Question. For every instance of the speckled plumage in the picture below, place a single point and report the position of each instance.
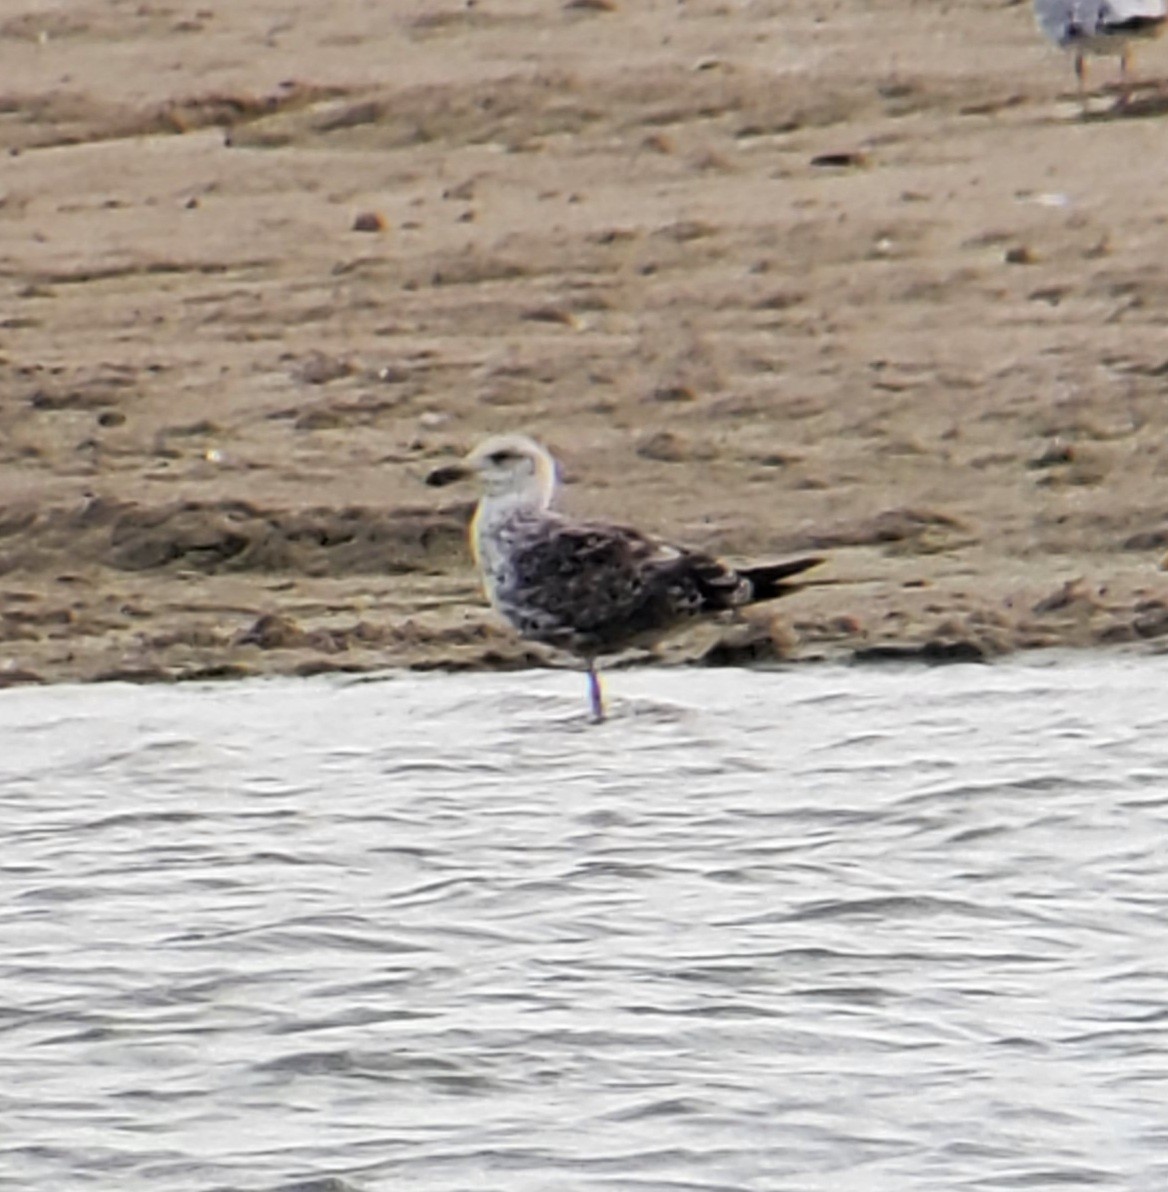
(591, 588)
(594, 588)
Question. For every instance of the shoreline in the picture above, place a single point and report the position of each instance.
(91, 625)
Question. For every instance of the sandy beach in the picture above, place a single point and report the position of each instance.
(851, 278)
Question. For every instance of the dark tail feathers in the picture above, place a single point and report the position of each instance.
(770, 580)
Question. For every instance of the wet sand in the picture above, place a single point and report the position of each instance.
(847, 278)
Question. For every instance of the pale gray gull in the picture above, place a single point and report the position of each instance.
(1101, 27)
(589, 587)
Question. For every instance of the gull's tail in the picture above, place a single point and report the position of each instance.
(722, 587)
(771, 580)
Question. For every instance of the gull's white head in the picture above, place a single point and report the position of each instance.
(510, 468)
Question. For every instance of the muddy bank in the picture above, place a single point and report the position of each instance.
(860, 281)
(191, 591)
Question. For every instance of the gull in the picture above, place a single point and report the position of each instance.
(1101, 27)
(589, 587)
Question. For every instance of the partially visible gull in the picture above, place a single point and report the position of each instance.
(1101, 27)
(590, 588)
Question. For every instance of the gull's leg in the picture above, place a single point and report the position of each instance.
(1124, 84)
(595, 695)
(1081, 75)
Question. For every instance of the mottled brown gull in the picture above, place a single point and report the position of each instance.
(588, 587)
(1100, 27)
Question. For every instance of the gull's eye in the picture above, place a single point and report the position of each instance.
(499, 458)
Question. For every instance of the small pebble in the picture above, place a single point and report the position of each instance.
(370, 221)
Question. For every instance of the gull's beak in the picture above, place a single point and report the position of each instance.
(448, 474)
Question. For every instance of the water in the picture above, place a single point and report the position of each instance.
(821, 930)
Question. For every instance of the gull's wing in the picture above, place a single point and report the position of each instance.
(594, 586)
(1120, 12)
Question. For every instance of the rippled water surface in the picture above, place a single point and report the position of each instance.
(828, 929)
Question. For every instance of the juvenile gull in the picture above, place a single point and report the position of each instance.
(1101, 27)
(590, 588)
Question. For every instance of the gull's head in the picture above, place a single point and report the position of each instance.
(506, 466)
